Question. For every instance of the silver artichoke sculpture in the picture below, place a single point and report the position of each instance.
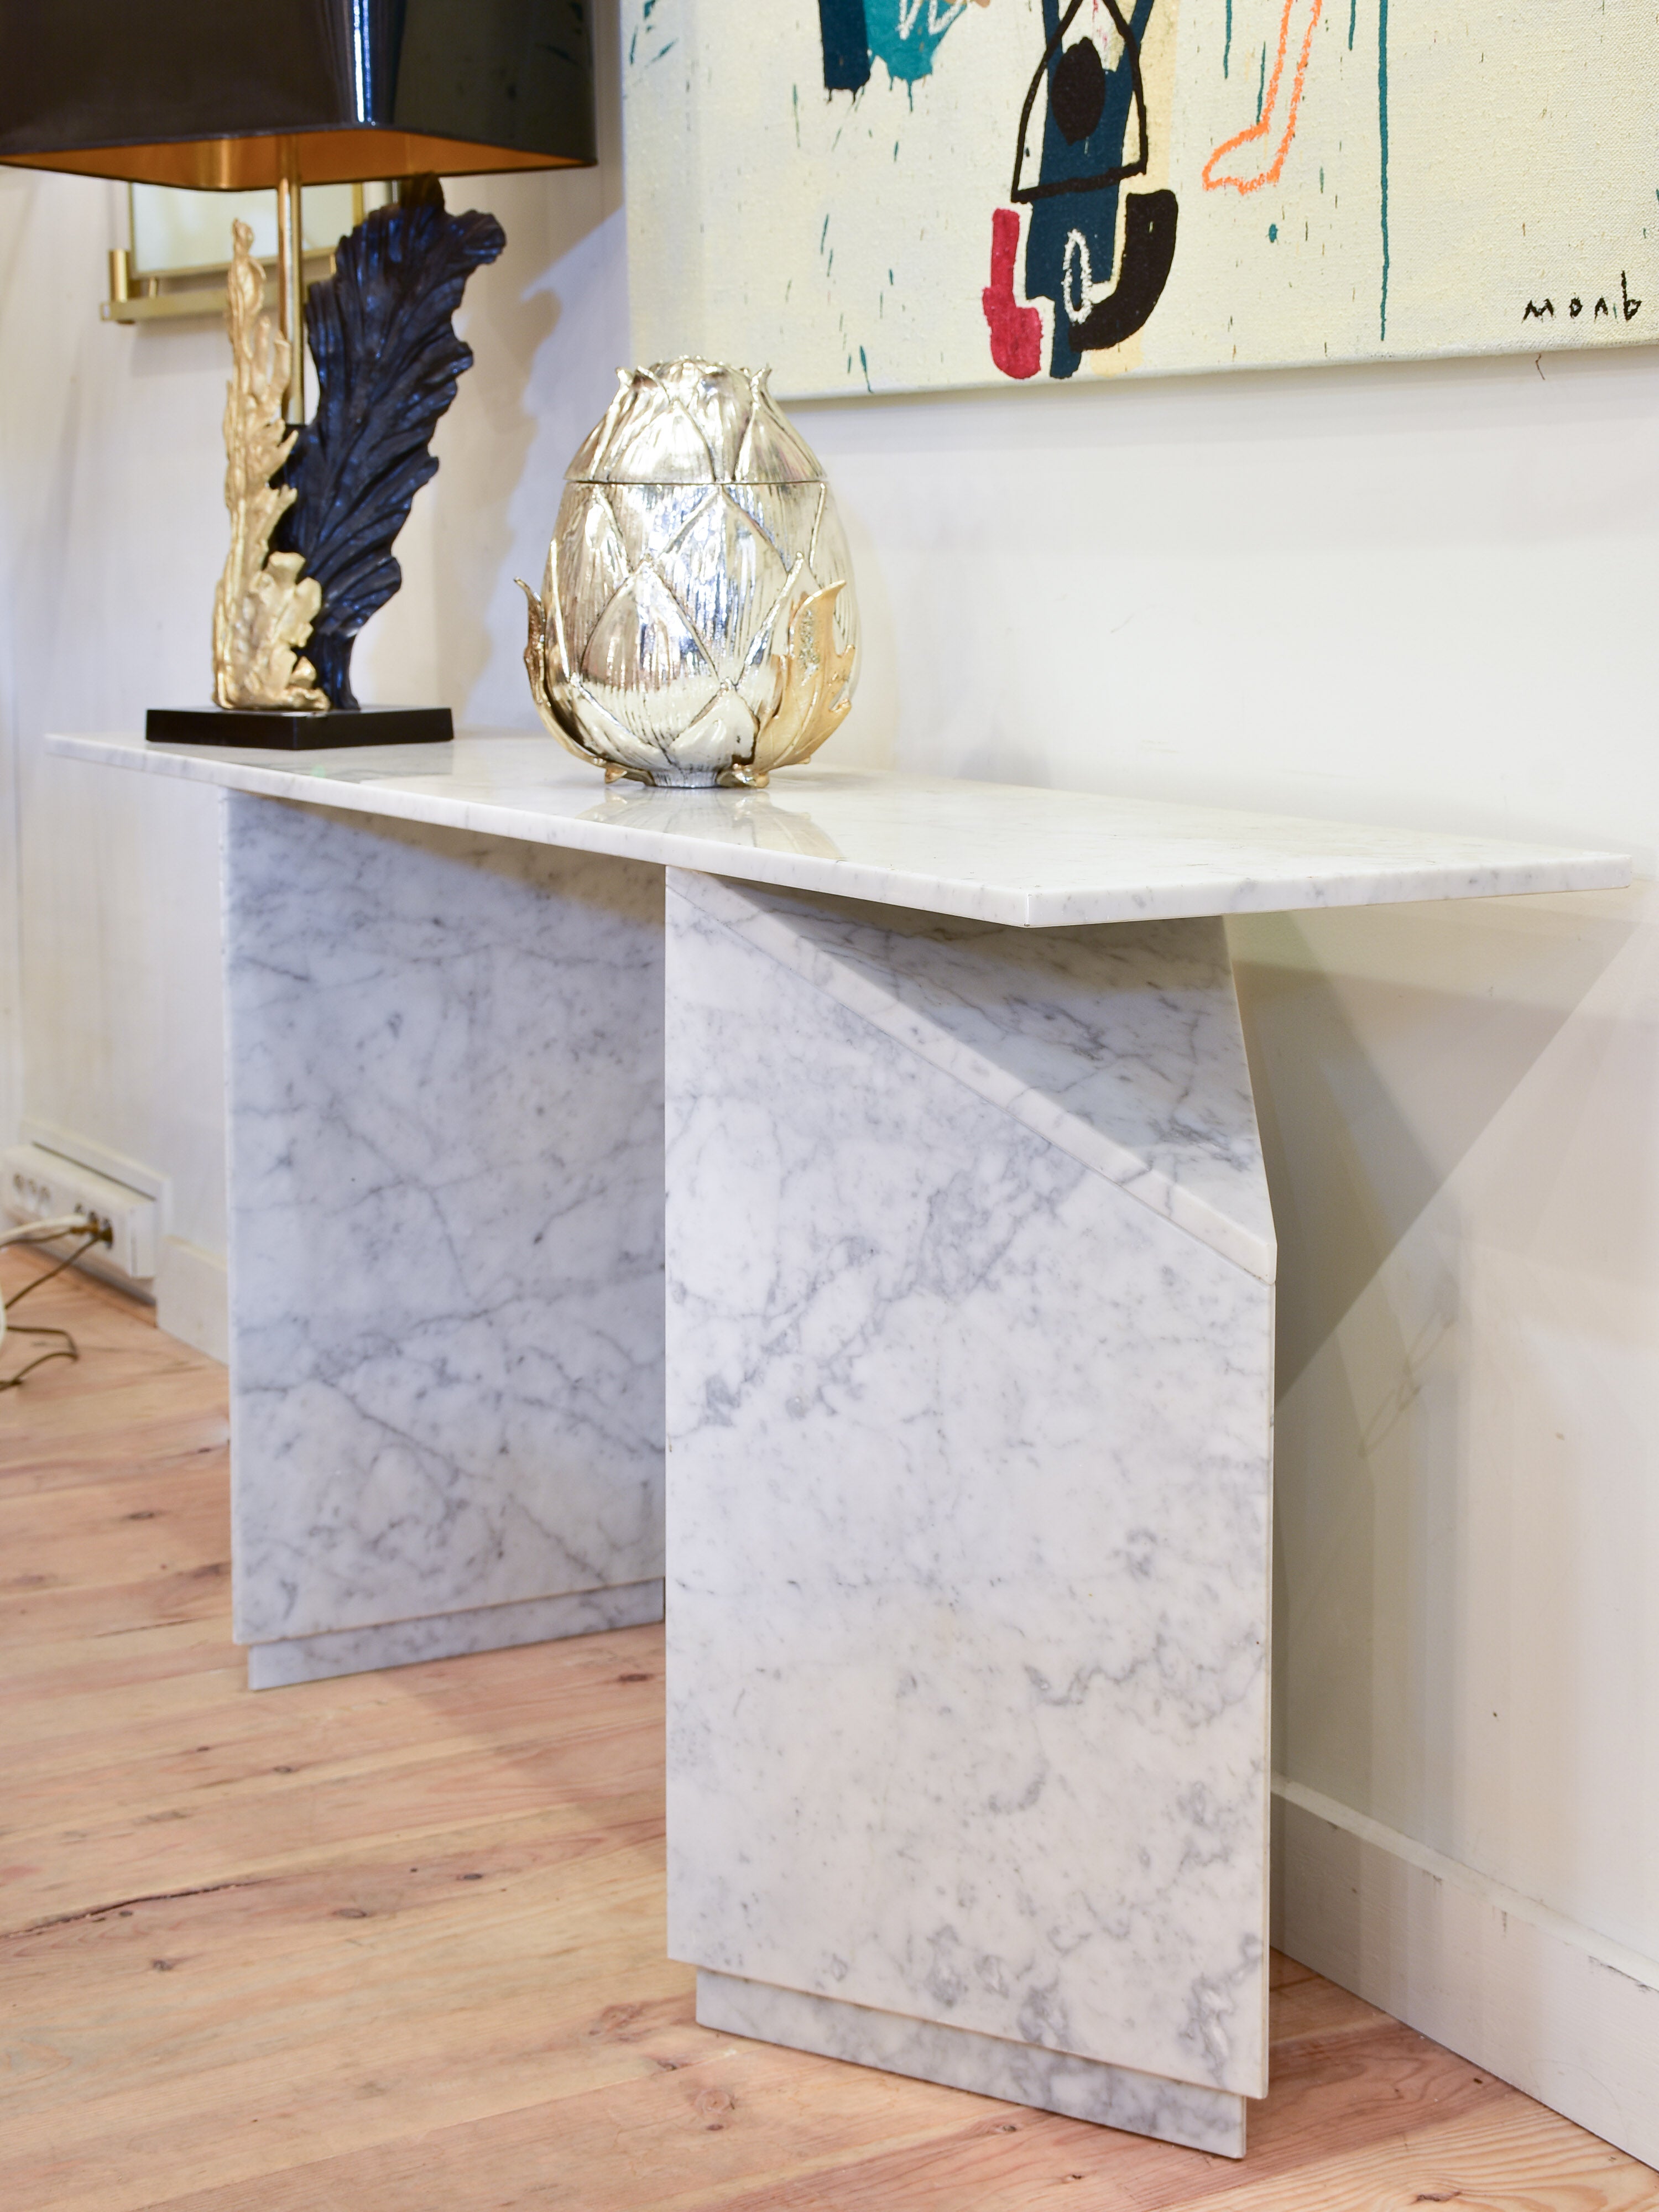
(696, 622)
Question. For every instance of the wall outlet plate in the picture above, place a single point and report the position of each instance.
(36, 1185)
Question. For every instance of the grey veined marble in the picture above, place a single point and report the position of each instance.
(1019, 2073)
(1038, 860)
(446, 1156)
(970, 1394)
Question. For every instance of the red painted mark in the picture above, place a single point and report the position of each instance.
(1016, 331)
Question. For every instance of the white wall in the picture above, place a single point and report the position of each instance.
(1421, 595)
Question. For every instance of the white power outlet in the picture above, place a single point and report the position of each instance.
(36, 1185)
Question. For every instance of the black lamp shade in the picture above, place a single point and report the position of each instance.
(203, 93)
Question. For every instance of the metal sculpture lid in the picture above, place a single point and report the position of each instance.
(694, 422)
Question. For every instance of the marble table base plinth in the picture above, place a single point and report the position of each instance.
(1081, 2088)
(970, 1316)
(445, 1194)
(275, 1666)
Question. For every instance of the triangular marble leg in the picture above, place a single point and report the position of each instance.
(970, 1318)
(446, 1201)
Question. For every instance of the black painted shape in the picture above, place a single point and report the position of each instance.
(1149, 244)
(1077, 91)
(274, 729)
(387, 362)
(845, 45)
(1051, 184)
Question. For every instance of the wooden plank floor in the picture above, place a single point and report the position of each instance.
(396, 1941)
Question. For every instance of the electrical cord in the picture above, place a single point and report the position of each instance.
(91, 1231)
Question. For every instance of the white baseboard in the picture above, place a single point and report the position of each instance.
(193, 1298)
(191, 1290)
(87, 1152)
(1534, 1998)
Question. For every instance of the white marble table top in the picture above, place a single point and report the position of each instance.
(998, 853)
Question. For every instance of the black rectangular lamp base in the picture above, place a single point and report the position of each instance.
(275, 729)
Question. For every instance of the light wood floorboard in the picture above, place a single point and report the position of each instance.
(395, 1943)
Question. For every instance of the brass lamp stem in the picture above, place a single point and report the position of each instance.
(290, 285)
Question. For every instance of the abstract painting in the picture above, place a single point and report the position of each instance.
(902, 195)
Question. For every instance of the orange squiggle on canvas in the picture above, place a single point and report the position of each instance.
(1213, 182)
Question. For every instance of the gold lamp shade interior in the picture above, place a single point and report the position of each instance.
(344, 156)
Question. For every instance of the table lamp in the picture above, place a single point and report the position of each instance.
(226, 98)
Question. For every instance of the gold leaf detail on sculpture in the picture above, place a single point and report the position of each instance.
(813, 698)
(263, 609)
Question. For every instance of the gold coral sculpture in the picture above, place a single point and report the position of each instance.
(263, 609)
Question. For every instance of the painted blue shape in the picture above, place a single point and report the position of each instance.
(846, 46)
(1273, 233)
(904, 35)
(1081, 224)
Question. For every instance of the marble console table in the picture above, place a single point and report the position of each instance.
(968, 1259)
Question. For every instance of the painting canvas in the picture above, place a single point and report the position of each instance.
(893, 195)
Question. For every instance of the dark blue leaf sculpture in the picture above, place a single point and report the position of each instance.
(387, 363)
